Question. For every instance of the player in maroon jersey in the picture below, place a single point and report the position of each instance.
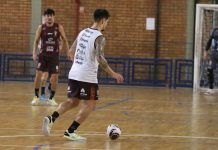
(50, 35)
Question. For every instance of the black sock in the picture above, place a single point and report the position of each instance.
(42, 90)
(49, 87)
(55, 115)
(52, 94)
(37, 92)
(73, 127)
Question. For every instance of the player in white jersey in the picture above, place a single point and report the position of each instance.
(83, 83)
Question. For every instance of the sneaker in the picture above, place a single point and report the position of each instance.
(43, 97)
(209, 92)
(73, 136)
(35, 101)
(52, 102)
(47, 125)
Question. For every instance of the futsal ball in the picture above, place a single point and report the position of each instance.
(113, 131)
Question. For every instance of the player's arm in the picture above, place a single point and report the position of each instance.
(72, 50)
(209, 42)
(60, 44)
(208, 45)
(99, 51)
(64, 38)
(36, 42)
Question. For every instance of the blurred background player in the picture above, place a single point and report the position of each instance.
(50, 35)
(83, 82)
(213, 59)
(44, 79)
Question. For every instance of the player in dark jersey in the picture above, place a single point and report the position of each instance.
(49, 34)
(213, 43)
(45, 77)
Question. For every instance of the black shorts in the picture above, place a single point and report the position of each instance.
(82, 90)
(48, 64)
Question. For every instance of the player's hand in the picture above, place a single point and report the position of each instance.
(206, 56)
(70, 55)
(118, 77)
(35, 56)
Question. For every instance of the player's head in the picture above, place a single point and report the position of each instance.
(49, 15)
(101, 16)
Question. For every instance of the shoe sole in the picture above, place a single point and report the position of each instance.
(45, 126)
(52, 104)
(34, 104)
(67, 137)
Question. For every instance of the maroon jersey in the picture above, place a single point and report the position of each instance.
(50, 39)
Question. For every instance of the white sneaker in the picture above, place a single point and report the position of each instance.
(209, 92)
(47, 125)
(52, 102)
(35, 101)
(73, 136)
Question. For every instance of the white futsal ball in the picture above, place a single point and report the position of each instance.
(113, 131)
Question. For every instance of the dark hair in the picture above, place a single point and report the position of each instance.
(100, 14)
(49, 11)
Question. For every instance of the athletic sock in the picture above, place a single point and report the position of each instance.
(52, 94)
(54, 116)
(37, 92)
(42, 90)
(73, 127)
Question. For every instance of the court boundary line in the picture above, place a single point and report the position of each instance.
(123, 135)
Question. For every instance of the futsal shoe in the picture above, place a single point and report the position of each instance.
(52, 102)
(209, 92)
(73, 136)
(43, 97)
(35, 101)
(47, 125)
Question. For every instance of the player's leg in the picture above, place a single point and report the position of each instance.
(62, 108)
(54, 82)
(73, 101)
(40, 68)
(53, 69)
(88, 91)
(49, 88)
(210, 73)
(83, 113)
(43, 85)
(37, 82)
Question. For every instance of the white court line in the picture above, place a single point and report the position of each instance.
(47, 146)
(123, 135)
(215, 113)
(14, 129)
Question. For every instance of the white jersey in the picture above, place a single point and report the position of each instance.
(85, 65)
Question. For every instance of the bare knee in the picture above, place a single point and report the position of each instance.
(90, 107)
(73, 102)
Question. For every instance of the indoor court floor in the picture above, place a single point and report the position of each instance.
(150, 119)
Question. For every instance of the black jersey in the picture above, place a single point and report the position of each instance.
(213, 40)
(50, 40)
